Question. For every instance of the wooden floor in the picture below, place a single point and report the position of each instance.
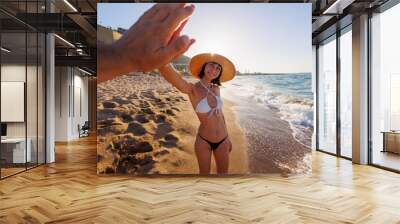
(5, 172)
(69, 191)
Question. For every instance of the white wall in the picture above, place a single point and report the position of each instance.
(79, 117)
(12, 73)
(70, 83)
(33, 126)
(314, 90)
(61, 103)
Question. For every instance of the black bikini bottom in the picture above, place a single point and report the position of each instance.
(213, 145)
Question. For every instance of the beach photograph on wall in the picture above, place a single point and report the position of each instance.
(239, 100)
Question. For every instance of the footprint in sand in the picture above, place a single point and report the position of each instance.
(136, 128)
(149, 94)
(126, 117)
(170, 112)
(109, 104)
(130, 146)
(109, 170)
(126, 164)
(146, 104)
(180, 97)
(174, 108)
(170, 141)
(171, 138)
(162, 130)
(146, 165)
(147, 111)
(121, 169)
(107, 113)
(115, 128)
(134, 165)
(105, 122)
(159, 103)
(146, 160)
(161, 153)
(133, 97)
(139, 147)
(121, 101)
(141, 118)
(158, 100)
(160, 118)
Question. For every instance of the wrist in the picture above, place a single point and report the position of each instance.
(105, 50)
(103, 62)
(117, 56)
(114, 55)
(166, 66)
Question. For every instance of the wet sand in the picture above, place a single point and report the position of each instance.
(272, 147)
(145, 126)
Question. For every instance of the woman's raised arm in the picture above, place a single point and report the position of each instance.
(173, 77)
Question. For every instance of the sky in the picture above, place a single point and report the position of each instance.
(256, 37)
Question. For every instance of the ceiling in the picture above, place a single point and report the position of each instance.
(76, 20)
(329, 16)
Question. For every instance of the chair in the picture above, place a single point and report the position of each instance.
(84, 130)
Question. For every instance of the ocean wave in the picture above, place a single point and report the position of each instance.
(297, 111)
(294, 103)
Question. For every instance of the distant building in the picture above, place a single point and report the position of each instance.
(107, 34)
(181, 67)
(121, 30)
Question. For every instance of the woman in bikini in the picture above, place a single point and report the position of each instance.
(212, 136)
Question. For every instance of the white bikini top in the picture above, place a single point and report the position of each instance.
(204, 107)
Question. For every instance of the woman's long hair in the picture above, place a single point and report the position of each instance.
(215, 81)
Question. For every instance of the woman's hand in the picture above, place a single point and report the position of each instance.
(154, 40)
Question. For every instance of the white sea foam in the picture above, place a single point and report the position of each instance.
(287, 94)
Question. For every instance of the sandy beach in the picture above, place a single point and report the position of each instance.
(145, 126)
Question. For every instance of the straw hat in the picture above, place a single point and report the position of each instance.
(197, 62)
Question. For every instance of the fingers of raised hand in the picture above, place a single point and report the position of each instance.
(185, 48)
(160, 10)
(177, 32)
(175, 19)
(165, 20)
(175, 49)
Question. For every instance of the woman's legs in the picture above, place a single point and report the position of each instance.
(221, 155)
(203, 154)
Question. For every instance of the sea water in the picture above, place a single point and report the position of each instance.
(289, 94)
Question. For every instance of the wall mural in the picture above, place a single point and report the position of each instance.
(238, 100)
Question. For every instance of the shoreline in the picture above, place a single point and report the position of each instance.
(272, 145)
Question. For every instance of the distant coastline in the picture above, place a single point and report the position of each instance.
(256, 74)
(260, 73)
(182, 64)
